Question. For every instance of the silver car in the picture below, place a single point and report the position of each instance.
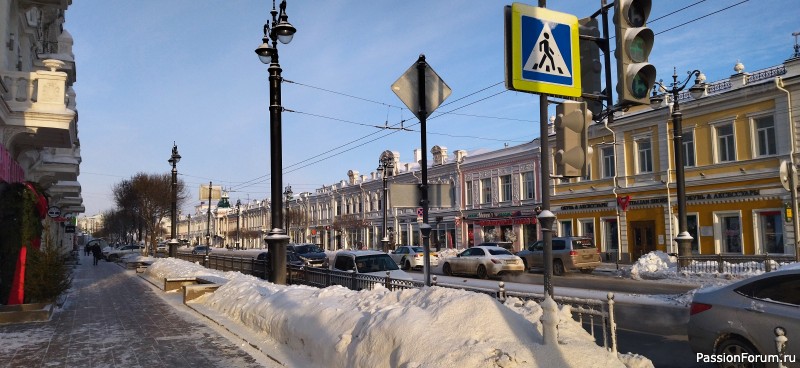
(742, 318)
(483, 261)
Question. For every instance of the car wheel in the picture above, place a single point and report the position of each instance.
(737, 346)
(482, 272)
(587, 270)
(446, 269)
(558, 268)
(405, 264)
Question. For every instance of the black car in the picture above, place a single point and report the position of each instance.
(260, 269)
(311, 254)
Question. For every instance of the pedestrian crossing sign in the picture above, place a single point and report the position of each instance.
(542, 51)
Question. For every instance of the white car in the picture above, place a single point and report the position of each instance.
(112, 255)
(368, 262)
(409, 257)
(484, 261)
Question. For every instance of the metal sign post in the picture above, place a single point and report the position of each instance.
(429, 93)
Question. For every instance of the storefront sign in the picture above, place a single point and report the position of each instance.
(700, 197)
(584, 206)
(508, 221)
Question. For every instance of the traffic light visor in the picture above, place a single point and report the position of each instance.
(637, 11)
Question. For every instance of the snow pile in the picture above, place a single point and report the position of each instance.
(654, 265)
(423, 327)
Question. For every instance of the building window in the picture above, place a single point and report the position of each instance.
(765, 136)
(529, 235)
(730, 226)
(608, 161)
(610, 236)
(565, 228)
(528, 186)
(468, 199)
(644, 155)
(505, 188)
(486, 190)
(770, 229)
(688, 149)
(691, 227)
(587, 227)
(726, 149)
(588, 175)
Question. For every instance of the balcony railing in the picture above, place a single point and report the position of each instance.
(40, 90)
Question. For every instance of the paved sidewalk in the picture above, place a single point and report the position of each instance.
(112, 318)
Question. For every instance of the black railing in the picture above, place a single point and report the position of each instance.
(732, 263)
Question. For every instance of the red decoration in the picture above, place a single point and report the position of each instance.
(623, 202)
(17, 295)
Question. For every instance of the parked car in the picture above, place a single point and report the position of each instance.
(483, 261)
(261, 269)
(112, 254)
(569, 253)
(311, 254)
(161, 248)
(409, 257)
(742, 317)
(201, 249)
(368, 262)
(506, 245)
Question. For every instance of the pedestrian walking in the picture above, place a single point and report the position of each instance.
(86, 249)
(97, 252)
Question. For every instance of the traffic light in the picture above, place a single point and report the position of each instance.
(572, 138)
(635, 76)
(591, 67)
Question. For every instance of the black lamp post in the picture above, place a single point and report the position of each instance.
(287, 193)
(277, 239)
(173, 160)
(684, 239)
(238, 214)
(385, 169)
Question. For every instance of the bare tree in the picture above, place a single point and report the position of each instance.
(148, 198)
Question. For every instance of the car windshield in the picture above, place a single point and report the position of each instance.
(498, 252)
(375, 263)
(307, 248)
(418, 249)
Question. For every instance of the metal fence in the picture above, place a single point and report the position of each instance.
(596, 316)
(731, 263)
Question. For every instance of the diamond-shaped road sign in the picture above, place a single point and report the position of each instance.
(407, 88)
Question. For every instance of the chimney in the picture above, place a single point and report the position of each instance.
(460, 155)
(417, 155)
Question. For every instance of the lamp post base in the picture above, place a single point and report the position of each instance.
(684, 248)
(277, 240)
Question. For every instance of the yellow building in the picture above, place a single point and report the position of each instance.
(735, 138)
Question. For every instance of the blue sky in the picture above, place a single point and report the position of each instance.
(153, 72)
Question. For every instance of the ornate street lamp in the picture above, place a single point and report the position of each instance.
(268, 54)
(385, 169)
(238, 212)
(173, 160)
(684, 239)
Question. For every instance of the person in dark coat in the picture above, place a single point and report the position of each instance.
(97, 252)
